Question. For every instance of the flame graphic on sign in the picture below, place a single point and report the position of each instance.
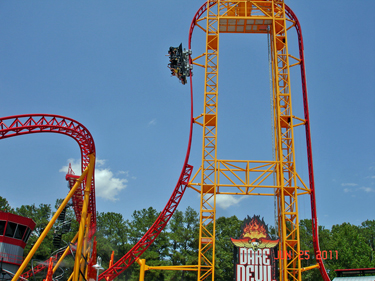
(255, 235)
(254, 228)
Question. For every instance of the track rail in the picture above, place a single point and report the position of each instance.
(149, 237)
(25, 124)
(314, 217)
(129, 258)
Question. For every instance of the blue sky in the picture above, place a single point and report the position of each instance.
(103, 64)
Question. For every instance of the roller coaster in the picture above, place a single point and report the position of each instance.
(215, 176)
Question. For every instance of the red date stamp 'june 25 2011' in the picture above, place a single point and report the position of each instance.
(305, 255)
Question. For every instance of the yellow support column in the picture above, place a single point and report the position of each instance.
(82, 225)
(206, 255)
(143, 268)
(286, 175)
(86, 249)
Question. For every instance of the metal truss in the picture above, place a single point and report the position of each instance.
(84, 186)
(47, 123)
(247, 177)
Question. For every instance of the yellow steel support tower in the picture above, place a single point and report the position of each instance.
(206, 258)
(286, 175)
(249, 177)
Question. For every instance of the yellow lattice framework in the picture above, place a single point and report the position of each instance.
(249, 177)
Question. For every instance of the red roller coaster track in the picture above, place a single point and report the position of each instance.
(314, 217)
(129, 258)
(122, 264)
(25, 124)
(18, 125)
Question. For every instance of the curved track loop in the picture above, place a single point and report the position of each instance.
(149, 237)
(314, 217)
(25, 124)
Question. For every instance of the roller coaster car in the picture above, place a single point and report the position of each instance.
(179, 63)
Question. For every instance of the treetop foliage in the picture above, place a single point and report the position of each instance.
(344, 245)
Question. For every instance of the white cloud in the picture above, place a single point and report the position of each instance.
(75, 164)
(99, 162)
(126, 173)
(106, 185)
(367, 189)
(349, 184)
(152, 122)
(363, 188)
(225, 201)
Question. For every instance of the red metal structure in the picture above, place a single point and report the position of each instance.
(18, 125)
(129, 258)
(355, 272)
(314, 217)
(42, 123)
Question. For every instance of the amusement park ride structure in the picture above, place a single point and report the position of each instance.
(277, 177)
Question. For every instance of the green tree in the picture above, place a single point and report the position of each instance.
(4, 206)
(191, 242)
(224, 262)
(176, 227)
(112, 235)
(307, 246)
(156, 254)
(368, 231)
(344, 246)
(183, 236)
(41, 216)
(178, 243)
(353, 249)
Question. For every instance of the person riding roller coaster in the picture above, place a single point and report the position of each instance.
(179, 63)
